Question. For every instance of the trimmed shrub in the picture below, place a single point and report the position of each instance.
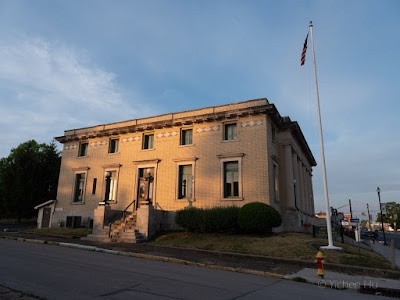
(257, 217)
(209, 220)
(189, 218)
(222, 219)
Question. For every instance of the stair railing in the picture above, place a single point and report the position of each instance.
(119, 216)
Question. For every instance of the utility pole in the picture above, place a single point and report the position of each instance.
(351, 213)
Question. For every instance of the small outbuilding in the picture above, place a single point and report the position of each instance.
(45, 213)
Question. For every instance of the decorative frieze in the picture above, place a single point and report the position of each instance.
(98, 143)
(207, 129)
(252, 123)
(130, 139)
(71, 147)
(167, 134)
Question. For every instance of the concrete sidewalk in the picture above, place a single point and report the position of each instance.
(386, 252)
(345, 281)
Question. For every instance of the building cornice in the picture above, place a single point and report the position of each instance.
(208, 114)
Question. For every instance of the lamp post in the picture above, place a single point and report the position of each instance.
(107, 175)
(369, 224)
(378, 190)
(149, 178)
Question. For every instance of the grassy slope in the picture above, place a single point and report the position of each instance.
(288, 245)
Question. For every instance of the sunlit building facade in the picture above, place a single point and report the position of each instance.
(215, 156)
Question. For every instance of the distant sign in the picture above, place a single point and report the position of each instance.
(354, 220)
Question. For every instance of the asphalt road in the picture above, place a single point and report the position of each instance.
(53, 272)
(389, 237)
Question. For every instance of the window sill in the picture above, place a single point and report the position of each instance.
(188, 145)
(152, 149)
(230, 141)
(108, 202)
(232, 199)
(78, 203)
(79, 157)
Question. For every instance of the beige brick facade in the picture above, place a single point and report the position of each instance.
(268, 150)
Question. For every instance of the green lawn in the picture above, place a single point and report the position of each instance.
(287, 245)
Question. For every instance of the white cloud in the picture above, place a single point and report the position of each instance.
(47, 87)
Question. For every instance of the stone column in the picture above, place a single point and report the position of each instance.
(307, 190)
(301, 186)
(312, 206)
(296, 176)
(305, 195)
(289, 178)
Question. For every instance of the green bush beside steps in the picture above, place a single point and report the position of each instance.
(254, 217)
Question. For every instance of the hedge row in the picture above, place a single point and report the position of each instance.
(255, 217)
(203, 220)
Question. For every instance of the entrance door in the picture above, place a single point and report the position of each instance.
(46, 217)
(145, 186)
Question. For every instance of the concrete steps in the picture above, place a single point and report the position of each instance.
(124, 231)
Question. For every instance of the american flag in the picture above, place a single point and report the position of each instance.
(303, 53)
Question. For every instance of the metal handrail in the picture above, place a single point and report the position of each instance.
(122, 214)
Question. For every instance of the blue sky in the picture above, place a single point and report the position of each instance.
(71, 64)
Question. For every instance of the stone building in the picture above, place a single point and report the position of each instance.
(215, 156)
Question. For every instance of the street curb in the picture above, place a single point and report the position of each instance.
(356, 270)
(151, 257)
(384, 291)
(389, 274)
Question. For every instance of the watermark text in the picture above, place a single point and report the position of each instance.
(342, 284)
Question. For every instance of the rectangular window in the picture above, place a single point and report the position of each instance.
(113, 146)
(186, 136)
(148, 141)
(111, 186)
(79, 187)
(230, 131)
(94, 186)
(185, 182)
(231, 179)
(83, 147)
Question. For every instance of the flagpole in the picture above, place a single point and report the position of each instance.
(328, 217)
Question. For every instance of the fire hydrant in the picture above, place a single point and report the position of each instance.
(320, 264)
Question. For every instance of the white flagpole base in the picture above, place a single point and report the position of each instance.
(331, 247)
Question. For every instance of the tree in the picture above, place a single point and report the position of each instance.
(391, 211)
(28, 177)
